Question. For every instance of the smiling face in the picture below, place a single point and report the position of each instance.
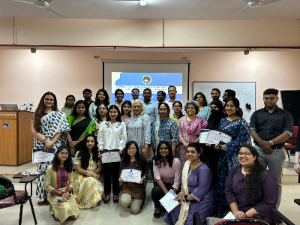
(192, 154)
(191, 110)
(160, 97)
(231, 109)
(101, 96)
(245, 157)
(119, 96)
(147, 95)
(102, 110)
(63, 155)
(215, 95)
(126, 109)
(199, 99)
(49, 101)
(163, 111)
(135, 94)
(113, 114)
(90, 143)
(131, 150)
(270, 101)
(177, 108)
(172, 92)
(80, 109)
(137, 108)
(163, 150)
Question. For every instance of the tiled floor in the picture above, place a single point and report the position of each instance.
(116, 214)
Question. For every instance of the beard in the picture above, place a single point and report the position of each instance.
(87, 98)
(215, 98)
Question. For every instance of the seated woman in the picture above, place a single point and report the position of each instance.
(88, 189)
(196, 193)
(59, 182)
(251, 190)
(133, 194)
(167, 174)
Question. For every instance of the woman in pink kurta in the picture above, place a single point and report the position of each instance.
(189, 129)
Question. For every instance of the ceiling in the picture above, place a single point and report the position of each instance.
(155, 9)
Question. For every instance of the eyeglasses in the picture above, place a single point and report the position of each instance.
(271, 98)
(62, 153)
(176, 106)
(246, 154)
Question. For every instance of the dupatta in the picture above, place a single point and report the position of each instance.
(80, 128)
(197, 124)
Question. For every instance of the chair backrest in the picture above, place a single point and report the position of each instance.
(9, 186)
(245, 221)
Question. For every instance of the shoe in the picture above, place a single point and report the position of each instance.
(46, 202)
(157, 215)
(116, 200)
(41, 203)
(106, 201)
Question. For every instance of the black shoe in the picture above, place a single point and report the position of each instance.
(156, 215)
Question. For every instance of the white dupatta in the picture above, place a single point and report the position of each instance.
(184, 210)
(156, 130)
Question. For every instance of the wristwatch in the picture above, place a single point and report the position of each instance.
(271, 143)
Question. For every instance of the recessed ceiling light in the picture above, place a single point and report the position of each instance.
(143, 2)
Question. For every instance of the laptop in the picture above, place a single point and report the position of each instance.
(9, 106)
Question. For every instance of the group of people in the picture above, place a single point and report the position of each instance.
(161, 139)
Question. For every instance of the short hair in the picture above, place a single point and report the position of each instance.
(142, 104)
(216, 89)
(87, 90)
(167, 106)
(147, 89)
(171, 86)
(231, 93)
(135, 89)
(203, 96)
(271, 91)
(195, 103)
(163, 93)
(119, 90)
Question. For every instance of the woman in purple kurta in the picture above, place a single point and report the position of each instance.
(200, 189)
(251, 191)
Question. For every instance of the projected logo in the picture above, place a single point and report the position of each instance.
(147, 79)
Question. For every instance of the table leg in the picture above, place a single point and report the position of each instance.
(32, 210)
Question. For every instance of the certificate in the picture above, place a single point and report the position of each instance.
(109, 156)
(168, 201)
(40, 155)
(217, 136)
(131, 174)
(203, 136)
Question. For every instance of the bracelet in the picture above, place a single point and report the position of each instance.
(245, 215)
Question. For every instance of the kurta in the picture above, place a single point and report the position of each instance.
(139, 130)
(127, 121)
(96, 126)
(236, 190)
(240, 133)
(87, 190)
(135, 190)
(199, 184)
(52, 124)
(175, 119)
(167, 131)
(204, 113)
(188, 133)
(67, 111)
(61, 210)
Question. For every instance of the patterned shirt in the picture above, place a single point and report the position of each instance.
(204, 113)
(151, 110)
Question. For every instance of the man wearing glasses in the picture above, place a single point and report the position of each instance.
(270, 127)
(135, 93)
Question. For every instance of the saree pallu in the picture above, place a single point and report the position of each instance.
(80, 128)
(52, 124)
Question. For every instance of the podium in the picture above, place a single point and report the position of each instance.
(16, 139)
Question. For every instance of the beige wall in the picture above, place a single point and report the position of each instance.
(25, 76)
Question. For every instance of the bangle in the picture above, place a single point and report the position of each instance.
(245, 215)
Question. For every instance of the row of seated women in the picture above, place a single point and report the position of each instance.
(251, 191)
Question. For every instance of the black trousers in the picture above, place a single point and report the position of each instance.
(111, 170)
(157, 193)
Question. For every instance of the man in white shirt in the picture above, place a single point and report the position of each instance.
(172, 94)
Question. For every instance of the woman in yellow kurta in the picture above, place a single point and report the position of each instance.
(59, 183)
(88, 189)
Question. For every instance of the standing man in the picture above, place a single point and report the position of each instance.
(161, 97)
(172, 94)
(226, 96)
(215, 94)
(150, 106)
(135, 93)
(87, 95)
(270, 127)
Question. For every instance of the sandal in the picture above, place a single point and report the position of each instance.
(117, 199)
(106, 200)
(46, 202)
(41, 203)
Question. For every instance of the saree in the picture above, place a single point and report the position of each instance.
(80, 128)
(52, 124)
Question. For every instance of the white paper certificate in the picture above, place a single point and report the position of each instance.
(216, 136)
(40, 155)
(109, 156)
(203, 136)
(168, 201)
(131, 175)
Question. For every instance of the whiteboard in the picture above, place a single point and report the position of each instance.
(245, 93)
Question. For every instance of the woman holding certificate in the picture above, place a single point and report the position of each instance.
(167, 174)
(238, 129)
(189, 129)
(47, 126)
(111, 142)
(196, 193)
(133, 172)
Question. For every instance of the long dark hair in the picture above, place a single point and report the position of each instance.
(118, 119)
(39, 112)
(126, 157)
(67, 99)
(198, 149)
(84, 152)
(254, 178)
(106, 100)
(167, 106)
(203, 96)
(68, 164)
(86, 113)
(97, 113)
(158, 158)
(123, 104)
(236, 103)
(179, 102)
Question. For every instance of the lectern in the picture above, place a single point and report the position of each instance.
(16, 139)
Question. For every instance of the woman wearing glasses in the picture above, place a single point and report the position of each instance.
(251, 190)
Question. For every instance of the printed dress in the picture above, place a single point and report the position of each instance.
(87, 190)
(52, 124)
(240, 133)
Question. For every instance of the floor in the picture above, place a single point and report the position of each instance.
(116, 214)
